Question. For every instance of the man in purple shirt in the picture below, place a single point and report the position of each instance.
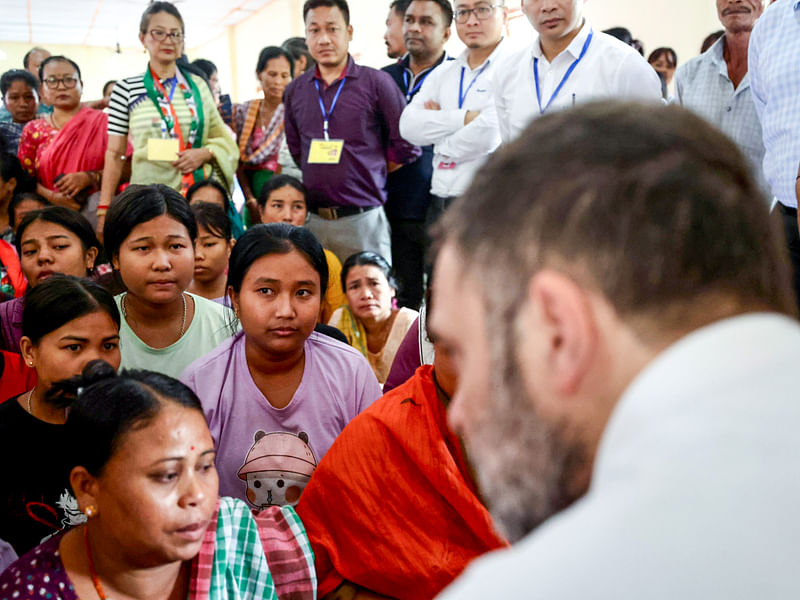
(342, 128)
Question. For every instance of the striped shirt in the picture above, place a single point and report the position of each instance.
(775, 84)
(703, 86)
(131, 111)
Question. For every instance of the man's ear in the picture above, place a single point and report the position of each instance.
(350, 32)
(562, 312)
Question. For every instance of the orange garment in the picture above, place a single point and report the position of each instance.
(391, 506)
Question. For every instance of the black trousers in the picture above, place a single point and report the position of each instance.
(409, 245)
(789, 218)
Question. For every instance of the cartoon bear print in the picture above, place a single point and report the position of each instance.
(277, 468)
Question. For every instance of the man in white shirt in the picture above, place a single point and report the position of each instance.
(569, 63)
(716, 84)
(623, 327)
(454, 109)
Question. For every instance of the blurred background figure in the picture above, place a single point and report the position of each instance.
(297, 47)
(393, 36)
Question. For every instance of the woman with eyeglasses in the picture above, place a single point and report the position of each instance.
(65, 149)
(178, 135)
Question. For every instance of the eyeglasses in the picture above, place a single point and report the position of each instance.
(69, 82)
(160, 35)
(482, 13)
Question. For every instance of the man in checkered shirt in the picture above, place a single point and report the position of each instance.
(716, 84)
(774, 66)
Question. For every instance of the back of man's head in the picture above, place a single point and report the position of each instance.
(650, 206)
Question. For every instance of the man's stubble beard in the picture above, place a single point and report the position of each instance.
(526, 470)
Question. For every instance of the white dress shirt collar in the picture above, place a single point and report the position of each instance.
(575, 46)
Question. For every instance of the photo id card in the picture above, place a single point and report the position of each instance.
(325, 152)
(158, 149)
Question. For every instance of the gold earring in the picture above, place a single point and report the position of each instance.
(90, 511)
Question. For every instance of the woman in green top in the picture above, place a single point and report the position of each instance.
(178, 135)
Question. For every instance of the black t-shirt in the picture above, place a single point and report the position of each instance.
(36, 500)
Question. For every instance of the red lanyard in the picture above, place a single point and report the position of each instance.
(176, 125)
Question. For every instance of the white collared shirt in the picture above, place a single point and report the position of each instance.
(775, 85)
(610, 69)
(459, 150)
(694, 491)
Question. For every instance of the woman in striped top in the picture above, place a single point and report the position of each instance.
(177, 134)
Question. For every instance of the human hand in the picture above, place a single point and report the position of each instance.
(191, 159)
(72, 183)
(62, 199)
(471, 116)
(432, 105)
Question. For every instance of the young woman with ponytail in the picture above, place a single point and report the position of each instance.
(66, 323)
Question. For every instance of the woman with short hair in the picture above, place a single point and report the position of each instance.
(65, 149)
(177, 133)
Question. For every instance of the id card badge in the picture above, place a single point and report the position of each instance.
(159, 149)
(446, 166)
(325, 152)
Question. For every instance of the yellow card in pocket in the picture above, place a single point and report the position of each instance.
(325, 152)
(158, 149)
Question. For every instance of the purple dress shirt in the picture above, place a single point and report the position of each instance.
(366, 117)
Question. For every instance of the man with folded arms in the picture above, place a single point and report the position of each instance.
(454, 109)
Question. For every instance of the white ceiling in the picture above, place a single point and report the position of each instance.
(111, 22)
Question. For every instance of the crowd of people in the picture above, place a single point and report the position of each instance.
(537, 304)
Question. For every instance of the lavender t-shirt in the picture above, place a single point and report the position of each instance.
(266, 455)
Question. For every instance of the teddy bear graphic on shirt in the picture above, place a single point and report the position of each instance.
(277, 468)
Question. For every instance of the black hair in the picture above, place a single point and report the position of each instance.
(105, 406)
(139, 204)
(58, 58)
(444, 5)
(623, 34)
(158, 7)
(203, 183)
(669, 53)
(270, 52)
(361, 259)
(28, 54)
(275, 238)
(60, 299)
(710, 40)
(10, 168)
(67, 218)
(19, 198)
(401, 6)
(276, 183)
(297, 47)
(206, 66)
(213, 218)
(108, 83)
(340, 4)
(13, 75)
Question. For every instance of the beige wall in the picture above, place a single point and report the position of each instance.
(681, 24)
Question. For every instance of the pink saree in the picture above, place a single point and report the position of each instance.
(79, 146)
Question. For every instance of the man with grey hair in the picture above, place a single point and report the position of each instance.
(621, 318)
(716, 84)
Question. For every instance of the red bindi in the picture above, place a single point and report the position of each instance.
(192, 447)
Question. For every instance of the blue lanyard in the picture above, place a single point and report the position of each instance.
(462, 95)
(564, 80)
(410, 93)
(174, 85)
(326, 114)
